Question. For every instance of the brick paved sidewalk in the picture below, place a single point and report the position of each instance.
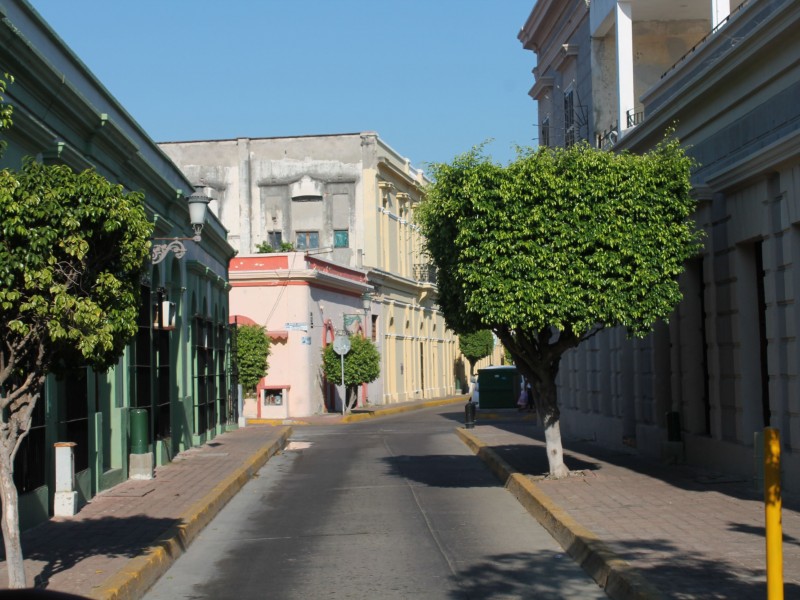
(690, 533)
(128, 535)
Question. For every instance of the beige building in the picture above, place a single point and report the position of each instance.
(727, 76)
(348, 199)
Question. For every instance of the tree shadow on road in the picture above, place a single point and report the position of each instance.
(442, 470)
(58, 546)
(543, 574)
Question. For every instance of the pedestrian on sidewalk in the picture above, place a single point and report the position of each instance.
(529, 394)
(522, 401)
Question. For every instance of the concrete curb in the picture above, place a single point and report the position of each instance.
(396, 410)
(140, 573)
(361, 416)
(619, 579)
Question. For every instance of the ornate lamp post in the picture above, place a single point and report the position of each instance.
(198, 207)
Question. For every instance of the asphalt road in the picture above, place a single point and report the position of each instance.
(393, 508)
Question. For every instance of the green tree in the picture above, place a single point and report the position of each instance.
(73, 248)
(252, 351)
(6, 110)
(475, 346)
(554, 247)
(362, 364)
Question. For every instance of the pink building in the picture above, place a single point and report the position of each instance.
(304, 302)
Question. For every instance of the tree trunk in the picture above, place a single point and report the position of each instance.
(547, 408)
(10, 523)
(351, 397)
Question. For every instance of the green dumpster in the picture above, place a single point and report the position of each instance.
(499, 387)
(139, 429)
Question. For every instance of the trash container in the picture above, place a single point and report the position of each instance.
(139, 437)
(499, 386)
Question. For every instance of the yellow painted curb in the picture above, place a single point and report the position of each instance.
(619, 579)
(140, 573)
(276, 422)
(396, 410)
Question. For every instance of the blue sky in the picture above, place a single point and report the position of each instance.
(432, 77)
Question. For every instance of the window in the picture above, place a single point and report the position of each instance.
(306, 240)
(569, 119)
(544, 133)
(274, 239)
(205, 382)
(341, 238)
(140, 377)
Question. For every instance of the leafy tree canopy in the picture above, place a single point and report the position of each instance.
(476, 345)
(564, 238)
(252, 351)
(362, 364)
(73, 248)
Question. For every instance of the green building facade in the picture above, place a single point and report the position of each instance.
(177, 369)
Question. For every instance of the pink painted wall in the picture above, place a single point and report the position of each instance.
(294, 309)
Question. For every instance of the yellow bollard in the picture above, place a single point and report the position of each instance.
(772, 505)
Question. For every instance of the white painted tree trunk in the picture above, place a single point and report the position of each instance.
(10, 526)
(555, 451)
(546, 401)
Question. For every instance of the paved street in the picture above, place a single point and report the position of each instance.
(393, 508)
(408, 485)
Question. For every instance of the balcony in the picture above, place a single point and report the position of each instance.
(425, 272)
(634, 117)
(607, 139)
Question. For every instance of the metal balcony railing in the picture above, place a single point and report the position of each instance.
(425, 272)
(607, 139)
(634, 117)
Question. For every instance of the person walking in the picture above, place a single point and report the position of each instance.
(522, 401)
(529, 397)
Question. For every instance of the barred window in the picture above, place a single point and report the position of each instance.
(569, 119)
(544, 133)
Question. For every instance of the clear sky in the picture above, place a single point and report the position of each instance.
(432, 77)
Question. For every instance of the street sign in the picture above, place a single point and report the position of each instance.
(341, 345)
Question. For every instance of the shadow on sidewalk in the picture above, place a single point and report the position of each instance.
(692, 574)
(676, 573)
(532, 460)
(61, 545)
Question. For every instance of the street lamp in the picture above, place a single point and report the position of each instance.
(198, 207)
(366, 301)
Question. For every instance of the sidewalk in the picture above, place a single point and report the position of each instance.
(126, 537)
(642, 529)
